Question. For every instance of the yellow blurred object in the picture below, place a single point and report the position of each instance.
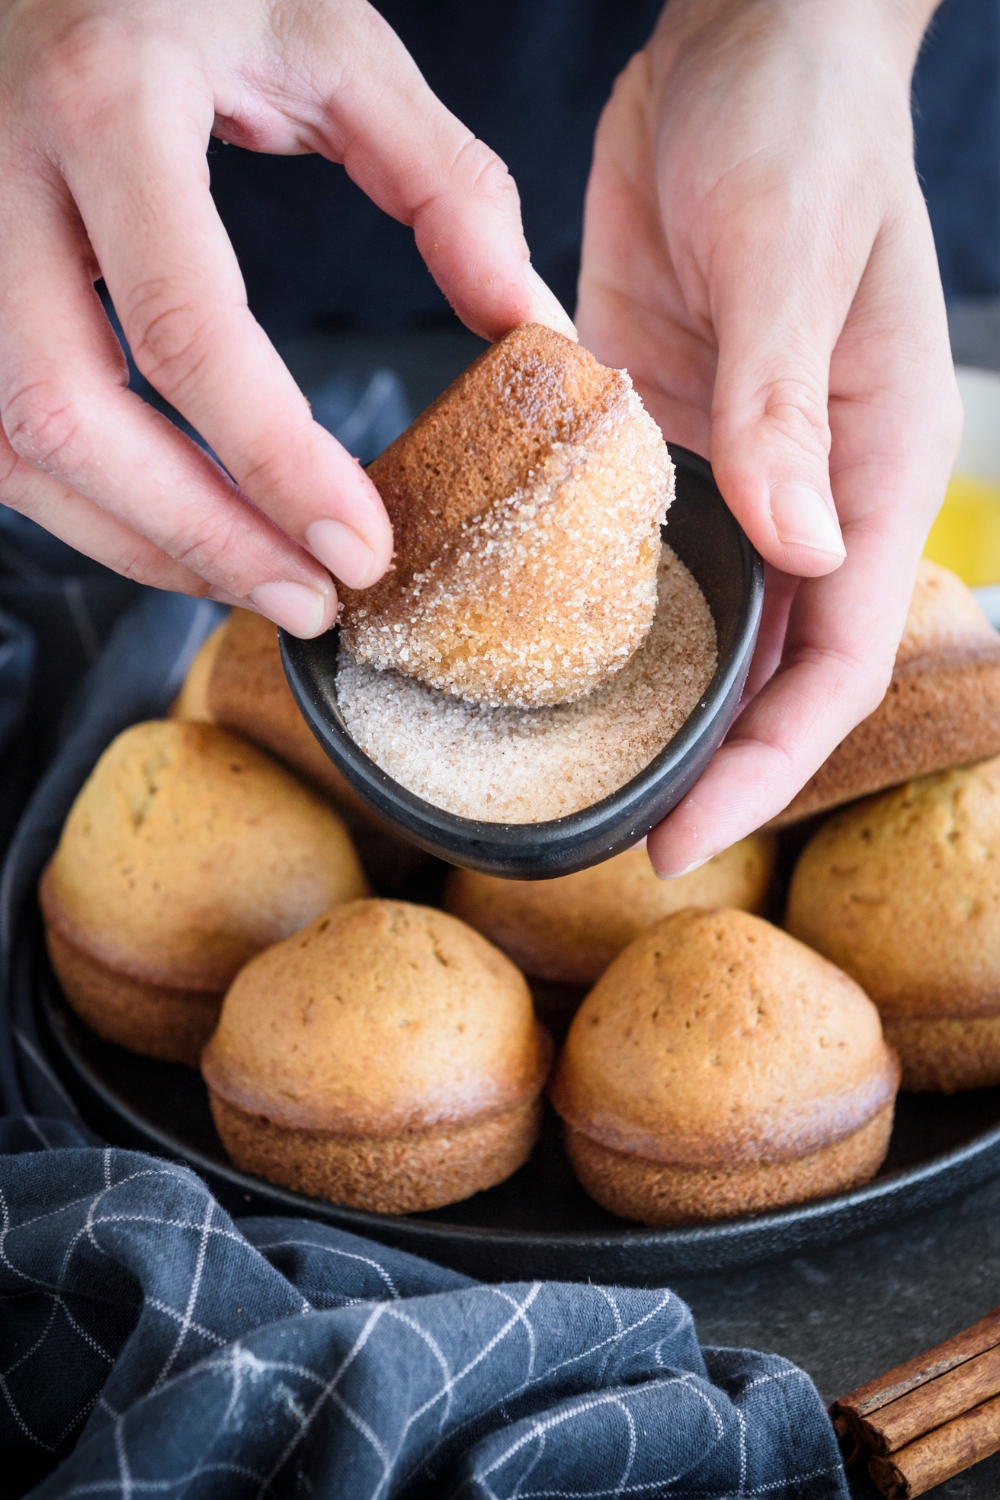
(966, 535)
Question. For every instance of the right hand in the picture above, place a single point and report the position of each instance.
(757, 254)
(106, 109)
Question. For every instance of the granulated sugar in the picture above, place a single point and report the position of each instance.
(507, 765)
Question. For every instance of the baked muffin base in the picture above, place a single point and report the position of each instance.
(391, 1174)
(658, 1194)
(152, 1019)
(947, 1056)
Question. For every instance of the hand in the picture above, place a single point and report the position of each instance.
(757, 253)
(106, 108)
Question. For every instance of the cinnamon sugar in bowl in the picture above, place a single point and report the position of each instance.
(715, 553)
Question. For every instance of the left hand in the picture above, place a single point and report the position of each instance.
(757, 253)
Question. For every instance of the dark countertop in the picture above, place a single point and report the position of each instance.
(849, 1313)
(845, 1314)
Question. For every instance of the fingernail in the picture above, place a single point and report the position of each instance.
(677, 874)
(802, 517)
(294, 606)
(339, 548)
(548, 309)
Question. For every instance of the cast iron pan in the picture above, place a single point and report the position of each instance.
(706, 536)
(539, 1223)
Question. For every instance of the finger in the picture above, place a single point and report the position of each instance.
(631, 311)
(776, 330)
(424, 167)
(779, 594)
(895, 425)
(90, 530)
(173, 278)
(67, 413)
(84, 526)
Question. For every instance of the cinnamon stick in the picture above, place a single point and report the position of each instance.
(930, 1405)
(918, 1371)
(939, 1455)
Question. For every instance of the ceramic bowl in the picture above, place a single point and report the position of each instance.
(708, 539)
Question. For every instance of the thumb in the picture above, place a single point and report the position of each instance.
(770, 435)
(424, 167)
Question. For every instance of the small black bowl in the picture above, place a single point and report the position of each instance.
(706, 536)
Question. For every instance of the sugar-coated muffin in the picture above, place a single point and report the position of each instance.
(903, 891)
(386, 1057)
(568, 930)
(719, 1067)
(186, 852)
(942, 707)
(526, 505)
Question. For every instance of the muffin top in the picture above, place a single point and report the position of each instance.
(716, 1039)
(570, 928)
(378, 1018)
(187, 851)
(903, 891)
(526, 505)
(943, 616)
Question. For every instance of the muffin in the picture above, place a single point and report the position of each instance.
(247, 690)
(186, 852)
(903, 891)
(192, 700)
(237, 680)
(942, 707)
(568, 930)
(386, 1057)
(526, 505)
(718, 1067)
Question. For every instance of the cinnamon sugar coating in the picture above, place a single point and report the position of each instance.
(526, 505)
(509, 765)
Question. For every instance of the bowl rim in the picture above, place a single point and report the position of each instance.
(623, 817)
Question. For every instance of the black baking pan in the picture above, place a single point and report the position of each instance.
(709, 540)
(539, 1223)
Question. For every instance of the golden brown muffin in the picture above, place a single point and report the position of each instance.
(248, 691)
(718, 1067)
(942, 708)
(526, 505)
(903, 891)
(386, 1057)
(569, 929)
(186, 852)
(192, 700)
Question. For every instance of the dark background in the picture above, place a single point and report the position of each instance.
(530, 78)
